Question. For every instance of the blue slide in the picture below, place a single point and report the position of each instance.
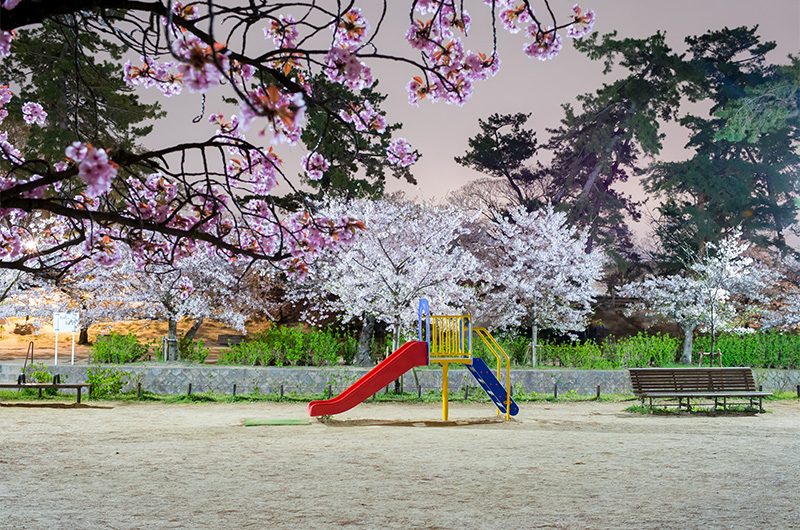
(491, 385)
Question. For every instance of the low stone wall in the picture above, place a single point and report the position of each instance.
(174, 378)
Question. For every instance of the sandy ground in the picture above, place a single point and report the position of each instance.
(565, 465)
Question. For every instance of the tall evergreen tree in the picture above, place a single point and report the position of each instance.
(733, 179)
(62, 68)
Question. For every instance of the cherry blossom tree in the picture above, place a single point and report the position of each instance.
(160, 205)
(717, 289)
(542, 275)
(407, 251)
(786, 311)
(205, 286)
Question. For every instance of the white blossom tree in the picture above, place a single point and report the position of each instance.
(406, 251)
(205, 286)
(542, 275)
(717, 289)
(786, 314)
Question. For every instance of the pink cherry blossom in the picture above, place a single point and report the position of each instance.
(345, 68)
(364, 118)
(9, 4)
(94, 169)
(515, 15)
(285, 113)
(33, 113)
(5, 95)
(399, 153)
(199, 63)
(546, 44)
(77, 151)
(419, 36)
(8, 151)
(102, 249)
(185, 288)
(283, 32)
(5, 43)
(315, 165)
(582, 23)
(351, 30)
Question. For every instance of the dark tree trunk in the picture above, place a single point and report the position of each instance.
(83, 336)
(172, 340)
(189, 336)
(688, 334)
(363, 354)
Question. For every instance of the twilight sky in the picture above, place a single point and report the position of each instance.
(440, 131)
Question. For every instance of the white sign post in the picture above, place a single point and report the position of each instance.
(67, 322)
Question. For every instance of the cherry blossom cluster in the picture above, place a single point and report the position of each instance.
(5, 43)
(453, 70)
(364, 118)
(405, 251)
(94, 167)
(315, 165)
(7, 150)
(152, 73)
(252, 169)
(400, 153)
(284, 112)
(9, 4)
(542, 275)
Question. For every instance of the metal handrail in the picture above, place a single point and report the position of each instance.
(494, 347)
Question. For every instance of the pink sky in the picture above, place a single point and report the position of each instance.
(441, 131)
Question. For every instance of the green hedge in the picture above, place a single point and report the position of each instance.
(768, 349)
(118, 348)
(635, 351)
(284, 345)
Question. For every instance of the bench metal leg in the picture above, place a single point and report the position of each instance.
(79, 394)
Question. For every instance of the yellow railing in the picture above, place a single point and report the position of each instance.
(450, 339)
(497, 351)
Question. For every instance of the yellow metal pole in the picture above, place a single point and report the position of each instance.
(445, 390)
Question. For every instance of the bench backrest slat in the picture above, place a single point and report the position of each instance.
(737, 379)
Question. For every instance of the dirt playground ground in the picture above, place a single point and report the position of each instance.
(562, 465)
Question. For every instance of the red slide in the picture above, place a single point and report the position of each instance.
(408, 356)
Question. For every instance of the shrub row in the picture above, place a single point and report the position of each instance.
(769, 349)
(283, 345)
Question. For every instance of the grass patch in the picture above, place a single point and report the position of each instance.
(697, 410)
(475, 395)
(253, 422)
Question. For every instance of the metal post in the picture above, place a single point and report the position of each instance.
(281, 391)
(555, 391)
(329, 391)
(189, 393)
(139, 390)
(234, 390)
(598, 391)
(445, 390)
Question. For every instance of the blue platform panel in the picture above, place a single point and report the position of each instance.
(491, 385)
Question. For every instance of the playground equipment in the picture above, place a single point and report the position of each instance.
(444, 340)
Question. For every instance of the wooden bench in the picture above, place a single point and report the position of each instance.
(230, 340)
(22, 384)
(695, 383)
